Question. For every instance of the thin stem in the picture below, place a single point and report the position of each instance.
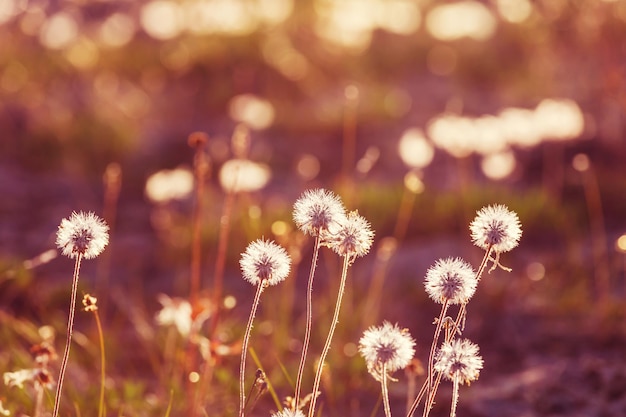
(70, 329)
(38, 399)
(385, 391)
(459, 322)
(329, 338)
(244, 349)
(455, 394)
(102, 364)
(220, 261)
(433, 346)
(430, 399)
(309, 321)
(413, 407)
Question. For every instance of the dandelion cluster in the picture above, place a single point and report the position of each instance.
(317, 211)
(451, 280)
(459, 359)
(387, 345)
(497, 227)
(83, 233)
(264, 262)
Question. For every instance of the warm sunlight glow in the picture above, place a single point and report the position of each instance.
(535, 271)
(414, 149)
(461, 19)
(59, 31)
(498, 166)
(8, 9)
(514, 11)
(581, 162)
(117, 30)
(518, 127)
(166, 185)
(162, 19)
(308, 167)
(559, 119)
(243, 175)
(252, 110)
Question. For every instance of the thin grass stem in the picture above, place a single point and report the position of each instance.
(329, 338)
(102, 364)
(244, 348)
(433, 346)
(309, 321)
(385, 391)
(70, 330)
(417, 400)
(455, 395)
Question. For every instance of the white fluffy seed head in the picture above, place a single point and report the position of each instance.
(452, 280)
(82, 233)
(318, 210)
(496, 226)
(352, 237)
(387, 345)
(264, 262)
(459, 359)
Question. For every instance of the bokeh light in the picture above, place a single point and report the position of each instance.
(167, 185)
(498, 166)
(463, 19)
(414, 149)
(243, 175)
(255, 112)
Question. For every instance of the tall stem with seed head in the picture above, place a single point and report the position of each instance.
(70, 330)
(309, 320)
(331, 332)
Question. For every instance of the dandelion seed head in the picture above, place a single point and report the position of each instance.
(82, 233)
(452, 280)
(90, 302)
(318, 210)
(288, 413)
(496, 226)
(459, 358)
(387, 345)
(264, 262)
(353, 237)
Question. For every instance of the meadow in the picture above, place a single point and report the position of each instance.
(164, 170)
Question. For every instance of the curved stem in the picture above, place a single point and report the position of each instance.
(244, 349)
(455, 394)
(413, 407)
(329, 338)
(309, 320)
(385, 391)
(430, 399)
(433, 346)
(70, 329)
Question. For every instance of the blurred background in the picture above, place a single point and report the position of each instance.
(416, 112)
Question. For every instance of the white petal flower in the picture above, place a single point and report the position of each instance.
(496, 226)
(386, 345)
(318, 210)
(83, 233)
(264, 261)
(451, 280)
